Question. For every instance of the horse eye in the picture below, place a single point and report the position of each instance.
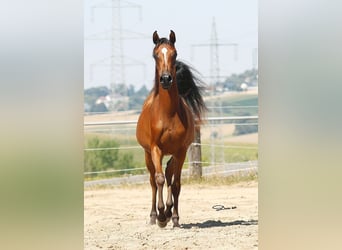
(174, 55)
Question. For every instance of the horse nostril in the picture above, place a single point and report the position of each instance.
(166, 78)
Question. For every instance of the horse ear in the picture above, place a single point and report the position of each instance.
(155, 37)
(172, 37)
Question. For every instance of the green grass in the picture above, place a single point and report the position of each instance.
(238, 100)
(234, 154)
(231, 152)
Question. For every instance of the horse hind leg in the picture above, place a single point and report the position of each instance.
(169, 202)
(153, 214)
(176, 186)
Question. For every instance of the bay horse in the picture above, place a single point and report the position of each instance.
(166, 125)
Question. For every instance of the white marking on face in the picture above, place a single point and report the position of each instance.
(164, 51)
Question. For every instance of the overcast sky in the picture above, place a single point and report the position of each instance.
(191, 20)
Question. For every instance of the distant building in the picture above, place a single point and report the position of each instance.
(106, 100)
(244, 86)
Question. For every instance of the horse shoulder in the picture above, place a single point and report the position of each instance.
(143, 131)
(148, 101)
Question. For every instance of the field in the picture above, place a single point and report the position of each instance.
(220, 145)
(117, 218)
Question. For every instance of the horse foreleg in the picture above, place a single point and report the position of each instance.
(160, 180)
(150, 167)
(169, 203)
(161, 218)
(153, 214)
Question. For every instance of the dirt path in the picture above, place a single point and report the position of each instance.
(112, 221)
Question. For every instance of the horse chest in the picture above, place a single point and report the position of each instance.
(171, 135)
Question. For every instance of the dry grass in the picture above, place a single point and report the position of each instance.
(226, 180)
(238, 178)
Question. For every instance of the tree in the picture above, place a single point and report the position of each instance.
(250, 77)
(245, 129)
(137, 100)
(143, 91)
(92, 94)
(98, 108)
(130, 90)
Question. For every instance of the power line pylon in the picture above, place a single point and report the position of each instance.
(214, 78)
(214, 45)
(116, 35)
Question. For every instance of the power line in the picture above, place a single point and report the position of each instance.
(117, 61)
(215, 70)
(214, 54)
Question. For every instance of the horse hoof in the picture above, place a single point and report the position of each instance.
(162, 224)
(175, 225)
(175, 220)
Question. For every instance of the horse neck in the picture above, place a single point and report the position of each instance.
(168, 99)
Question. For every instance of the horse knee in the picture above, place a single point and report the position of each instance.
(160, 179)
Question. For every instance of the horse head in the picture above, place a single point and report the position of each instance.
(165, 54)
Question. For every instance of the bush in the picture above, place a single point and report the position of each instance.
(99, 160)
(98, 108)
(126, 162)
(245, 129)
(107, 159)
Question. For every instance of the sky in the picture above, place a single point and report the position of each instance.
(191, 20)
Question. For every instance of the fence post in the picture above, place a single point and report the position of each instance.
(195, 155)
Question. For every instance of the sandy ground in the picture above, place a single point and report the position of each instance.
(117, 218)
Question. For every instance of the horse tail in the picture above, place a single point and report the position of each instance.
(190, 88)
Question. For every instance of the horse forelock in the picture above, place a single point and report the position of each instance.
(164, 41)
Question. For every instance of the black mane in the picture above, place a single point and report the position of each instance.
(190, 88)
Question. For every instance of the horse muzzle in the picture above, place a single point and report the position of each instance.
(166, 81)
